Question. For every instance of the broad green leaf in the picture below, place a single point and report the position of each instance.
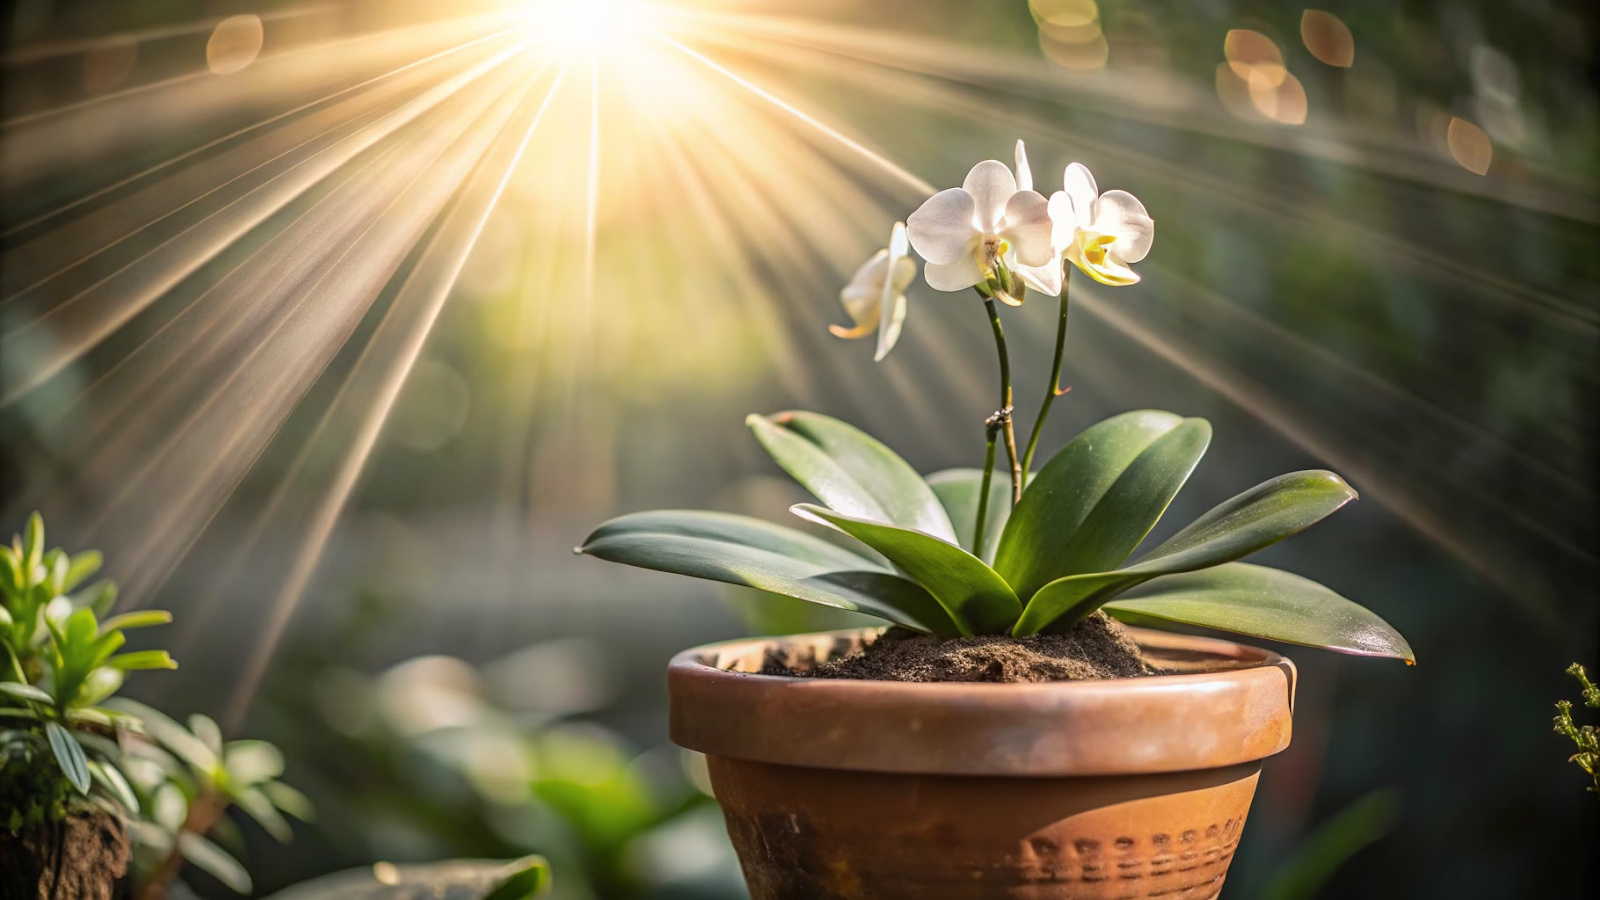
(142, 619)
(1264, 603)
(1257, 518)
(978, 600)
(851, 471)
(1066, 491)
(215, 861)
(69, 756)
(957, 489)
(101, 683)
(109, 777)
(25, 692)
(745, 551)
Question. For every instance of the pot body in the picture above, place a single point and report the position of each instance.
(861, 790)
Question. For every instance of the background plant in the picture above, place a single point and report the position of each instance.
(1586, 737)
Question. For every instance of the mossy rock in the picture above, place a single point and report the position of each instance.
(462, 879)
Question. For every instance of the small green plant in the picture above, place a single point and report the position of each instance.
(57, 741)
(1586, 737)
(66, 741)
(1049, 551)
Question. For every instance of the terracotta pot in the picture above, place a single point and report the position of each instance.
(873, 790)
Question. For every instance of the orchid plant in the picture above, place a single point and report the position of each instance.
(955, 554)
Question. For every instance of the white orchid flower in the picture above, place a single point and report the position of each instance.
(1102, 234)
(1045, 278)
(875, 298)
(974, 234)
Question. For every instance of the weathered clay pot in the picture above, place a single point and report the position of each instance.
(872, 790)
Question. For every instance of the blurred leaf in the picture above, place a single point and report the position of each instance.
(169, 734)
(1257, 518)
(529, 881)
(290, 801)
(69, 755)
(257, 806)
(144, 659)
(110, 777)
(81, 567)
(98, 597)
(1264, 603)
(142, 619)
(1362, 823)
(32, 545)
(25, 692)
(169, 807)
(957, 489)
(451, 880)
(1051, 534)
(252, 762)
(977, 599)
(214, 860)
(745, 551)
(205, 728)
(851, 472)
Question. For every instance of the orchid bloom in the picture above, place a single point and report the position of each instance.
(1047, 277)
(875, 298)
(973, 235)
(1102, 234)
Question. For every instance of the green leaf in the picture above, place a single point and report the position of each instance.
(110, 778)
(957, 489)
(143, 659)
(1264, 603)
(527, 878)
(215, 861)
(25, 692)
(290, 800)
(1097, 499)
(252, 762)
(851, 472)
(32, 547)
(206, 729)
(80, 567)
(257, 806)
(1257, 518)
(169, 734)
(745, 551)
(69, 756)
(977, 599)
(98, 598)
(142, 619)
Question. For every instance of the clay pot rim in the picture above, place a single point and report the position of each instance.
(1235, 707)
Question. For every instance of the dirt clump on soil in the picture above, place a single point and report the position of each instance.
(83, 857)
(1097, 647)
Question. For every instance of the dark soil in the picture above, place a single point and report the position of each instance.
(82, 857)
(1097, 647)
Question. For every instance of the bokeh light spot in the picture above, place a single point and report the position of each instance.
(1469, 145)
(234, 44)
(1328, 38)
(1283, 102)
(433, 408)
(1253, 55)
(1065, 13)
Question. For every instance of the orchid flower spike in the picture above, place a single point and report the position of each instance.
(973, 235)
(875, 298)
(1102, 234)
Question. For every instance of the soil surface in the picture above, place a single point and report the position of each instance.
(82, 857)
(1097, 647)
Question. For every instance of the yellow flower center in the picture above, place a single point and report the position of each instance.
(1093, 247)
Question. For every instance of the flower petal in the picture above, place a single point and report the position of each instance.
(1121, 215)
(850, 334)
(1028, 228)
(1045, 279)
(955, 276)
(941, 229)
(991, 184)
(1024, 173)
(1063, 221)
(1079, 185)
(898, 244)
(892, 317)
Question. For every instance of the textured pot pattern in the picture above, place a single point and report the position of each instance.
(849, 790)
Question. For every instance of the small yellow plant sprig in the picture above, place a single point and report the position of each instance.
(1587, 737)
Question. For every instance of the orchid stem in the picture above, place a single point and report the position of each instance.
(983, 497)
(1002, 416)
(1054, 389)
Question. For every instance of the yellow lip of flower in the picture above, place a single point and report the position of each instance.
(1092, 253)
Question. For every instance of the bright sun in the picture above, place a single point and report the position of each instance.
(589, 28)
